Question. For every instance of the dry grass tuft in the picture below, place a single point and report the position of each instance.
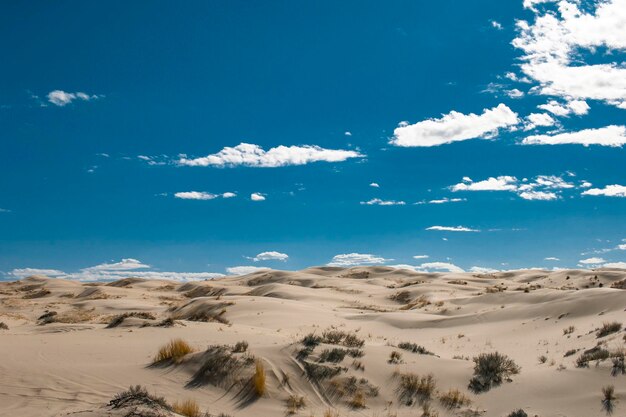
(608, 328)
(490, 370)
(608, 398)
(259, 380)
(138, 395)
(454, 399)
(3, 326)
(119, 319)
(412, 387)
(395, 357)
(240, 347)
(174, 351)
(187, 408)
(294, 403)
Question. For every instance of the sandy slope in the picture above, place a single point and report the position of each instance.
(74, 365)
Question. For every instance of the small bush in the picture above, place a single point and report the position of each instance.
(356, 353)
(490, 369)
(570, 353)
(413, 387)
(415, 348)
(331, 413)
(518, 413)
(618, 366)
(338, 337)
(318, 372)
(594, 354)
(187, 408)
(174, 351)
(542, 359)
(454, 399)
(568, 330)
(138, 395)
(119, 319)
(608, 400)
(427, 411)
(219, 368)
(333, 355)
(608, 328)
(357, 401)
(240, 347)
(294, 403)
(259, 380)
(311, 340)
(395, 357)
(3, 326)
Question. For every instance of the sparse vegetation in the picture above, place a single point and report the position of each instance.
(258, 380)
(596, 353)
(240, 347)
(119, 319)
(220, 367)
(608, 398)
(618, 366)
(518, 413)
(568, 330)
(570, 352)
(173, 351)
(414, 348)
(608, 328)
(311, 340)
(187, 408)
(454, 398)
(138, 395)
(427, 411)
(490, 370)
(395, 357)
(333, 355)
(412, 387)
(317, 372)
(358, 400)
(295, 403)
(542, 359)
(3, 326)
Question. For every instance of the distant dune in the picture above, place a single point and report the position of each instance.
(366, 341)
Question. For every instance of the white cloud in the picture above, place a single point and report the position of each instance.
(270, 256)
(229, 195)
(257, 197)
(496, 25)
(621, 247)
(454, 126)
(127, 264)
(353, 259)
(379, 202)
(578, 107)
(614, 190)
(250, 155)
(245, 270)
(501, 183)
(551, 258)
(420, 256)
(591, 261)
(538, 195)
(483, 270)
(620, 265)
(375, 185)
(195, 195)
(62, 98)
(26, 272)
(534, 120)
(446, 266)
(447, 200)
(613, 135)
(552, 44)
(452, 229)
(514, 93)
(347, 133)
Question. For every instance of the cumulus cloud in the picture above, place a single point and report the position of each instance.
(202, 195)
(62, 98)
(127, 264)
(452, 229)
(379, 202)
(535, 120)
(454, 126)
(375, 185)
(250, 155)
(257, 197)
(27, 272)
(591, 261)
(614, 190)
(578, 107)
(613, 135)
(551, 48)
(245, 270)
(538, 195)
(354, 259)
(270, 256)
(619, 265)
(541, 187)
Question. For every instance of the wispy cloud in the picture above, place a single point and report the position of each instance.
(245, 270)
(354, 259)
(454, 127)
(452, 229)
(250, 155)
(62, 98)
(202, 195)
(541, 187)
(614, 136)
(445, 266)
(379, 202)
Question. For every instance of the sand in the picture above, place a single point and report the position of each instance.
(70, 363)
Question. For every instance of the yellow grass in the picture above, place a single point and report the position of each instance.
(258, 380)
(188, 408)
(175, 350)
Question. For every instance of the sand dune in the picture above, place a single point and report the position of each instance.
(69, 347)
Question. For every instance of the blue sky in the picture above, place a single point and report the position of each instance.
(482, 134)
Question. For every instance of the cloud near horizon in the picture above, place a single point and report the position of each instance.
(355, 259)
(270, 256)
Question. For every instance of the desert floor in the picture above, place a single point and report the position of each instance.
(58, 358)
